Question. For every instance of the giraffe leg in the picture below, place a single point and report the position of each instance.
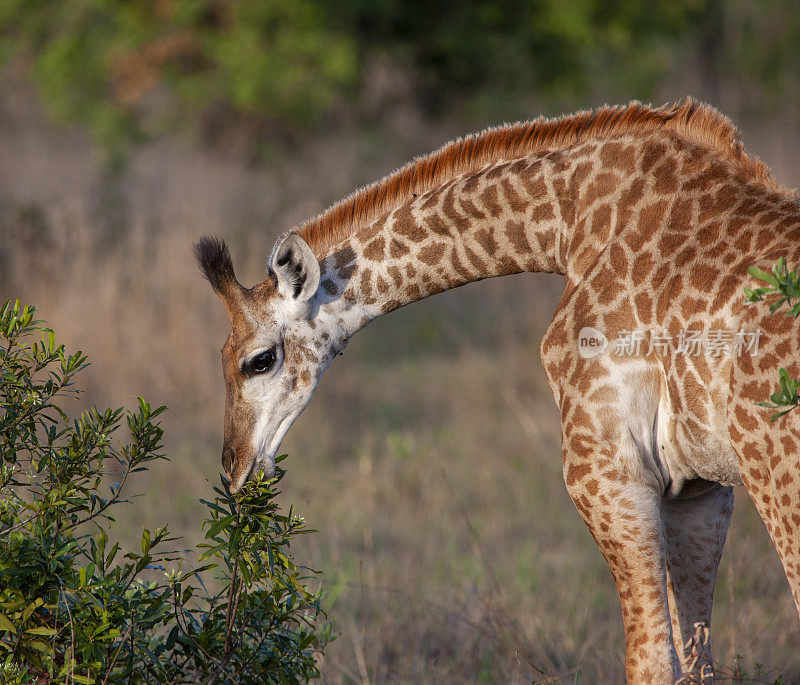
(774, 488)
(624, 517)
(769, 451)
(695, 529)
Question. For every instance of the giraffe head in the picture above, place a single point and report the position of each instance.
(280, 343)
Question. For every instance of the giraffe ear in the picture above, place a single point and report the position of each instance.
(215, 262)
(296, 268)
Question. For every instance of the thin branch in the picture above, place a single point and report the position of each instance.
(264, 634)
(116, 654)
(233, 607)
(185, 631)
(71, 675)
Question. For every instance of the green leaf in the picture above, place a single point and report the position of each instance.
(39, 646)
(42, 630)
(197, 571)
(145, 541)
(35, 604)
(233, 545)
(763, 275)
(172, 638)
(5, 624)
(112, 553)
(83, 679)
(102, 539)
(217, 527)
(778, 415)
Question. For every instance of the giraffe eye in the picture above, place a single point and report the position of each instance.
(263, 361)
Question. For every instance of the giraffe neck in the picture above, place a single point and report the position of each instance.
(543, 196)
(551, 212)
(509, 217)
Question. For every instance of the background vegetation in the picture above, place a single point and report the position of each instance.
(429, 458)
(132, 69)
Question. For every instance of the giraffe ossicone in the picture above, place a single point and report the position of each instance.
(653, 216)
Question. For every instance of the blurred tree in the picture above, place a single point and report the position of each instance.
(126, 68)
(511, 48)
(760, 49)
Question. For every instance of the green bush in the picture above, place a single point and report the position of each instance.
(76, 608)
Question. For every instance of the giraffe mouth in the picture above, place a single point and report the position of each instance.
(265, 455)
(267, 468)
(235, 486)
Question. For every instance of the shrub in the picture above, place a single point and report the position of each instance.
(76, 608)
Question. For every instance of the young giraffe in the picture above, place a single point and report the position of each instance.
(652, 216)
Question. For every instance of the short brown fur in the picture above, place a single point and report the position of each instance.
(689, 119)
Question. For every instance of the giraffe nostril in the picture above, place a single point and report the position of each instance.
(227, 459)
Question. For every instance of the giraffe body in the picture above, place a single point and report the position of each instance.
(653, 216)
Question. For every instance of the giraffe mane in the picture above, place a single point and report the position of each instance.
(697, 122)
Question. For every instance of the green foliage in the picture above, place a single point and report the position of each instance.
(127, 69)
(511, 48)
(783, 284)
(783, 288)
(76, 608)
(130, 68)
(786, 395)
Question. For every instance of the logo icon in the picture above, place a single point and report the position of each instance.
(591, 342)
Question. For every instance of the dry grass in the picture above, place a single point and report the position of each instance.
(429, 459)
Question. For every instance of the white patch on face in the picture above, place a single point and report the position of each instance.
(262, 435)
(290, 309)
(276, 401)
(276, 406)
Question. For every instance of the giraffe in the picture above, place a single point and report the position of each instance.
(652, 215)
